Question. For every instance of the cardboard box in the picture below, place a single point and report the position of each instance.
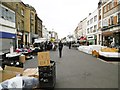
(22, 58)
(10, 72)
(4, 75)
(43, 58)
(14, 69)
(31, 72)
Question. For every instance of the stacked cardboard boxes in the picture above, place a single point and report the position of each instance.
(10, 72)
(47, 74)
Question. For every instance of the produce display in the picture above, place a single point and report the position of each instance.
(109, 50)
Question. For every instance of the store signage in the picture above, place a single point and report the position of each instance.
(90, 37)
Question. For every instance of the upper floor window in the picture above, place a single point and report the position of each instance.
(118, 18)
(7, 14)
(91, 28)
(105, 9)
(95, 28)
(16, 6)
(88, 30)
(99, 12)
(88, 23)
(111, 20)
(22, 12)
(32, 16)
(95, 18)
(112, 4)
(91, 20)
(22, 24)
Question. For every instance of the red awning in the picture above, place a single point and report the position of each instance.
(83, 38)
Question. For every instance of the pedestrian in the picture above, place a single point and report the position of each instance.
(69, 45)
(45, 44)
(60, 45)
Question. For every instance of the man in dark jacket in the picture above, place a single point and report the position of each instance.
(69, 45)
(60, 45)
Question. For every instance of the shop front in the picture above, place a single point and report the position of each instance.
(111, 35)
(117, 39)
(7, 41)
(92, 39)
(82, 40)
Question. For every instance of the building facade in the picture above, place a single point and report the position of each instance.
(38, 26)
(82, 30)
(45, 32)
(29, 27)
(7, 28)
(76, 33)
(100, 16)
(92, 27)
(32, 22)
(111, 22)
(21, 17)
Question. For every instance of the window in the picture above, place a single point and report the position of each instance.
(118, 18)
(108, 6)
(88, 23)
(105, 9)
(22, 24)
(7, 14)
(88, 30)
(91, 28)
(22, 12)
(18, 26)
(32, 16)
(99, 12)
(99, 24)
(112, 4)
(16, 6)
(95, 28)
(91, 20)
(111, 20)
(95, 18)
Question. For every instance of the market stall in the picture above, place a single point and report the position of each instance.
(109, 54)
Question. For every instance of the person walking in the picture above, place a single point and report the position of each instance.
(69, 45)
(60, 46)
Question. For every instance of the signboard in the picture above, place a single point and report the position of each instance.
(43, 58)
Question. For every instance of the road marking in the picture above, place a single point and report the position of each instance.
(110, 62)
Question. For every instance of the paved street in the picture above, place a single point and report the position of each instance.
(79, 70)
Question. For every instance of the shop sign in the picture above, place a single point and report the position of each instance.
(90, 37)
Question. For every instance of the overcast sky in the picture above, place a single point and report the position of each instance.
(62, 16)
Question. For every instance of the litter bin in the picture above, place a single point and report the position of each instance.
(47, 76)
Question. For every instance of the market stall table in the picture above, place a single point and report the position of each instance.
(12, 59)
(110, 56)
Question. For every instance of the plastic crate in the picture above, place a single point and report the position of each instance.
(47, 76)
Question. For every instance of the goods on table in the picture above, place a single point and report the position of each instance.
(109, 50)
